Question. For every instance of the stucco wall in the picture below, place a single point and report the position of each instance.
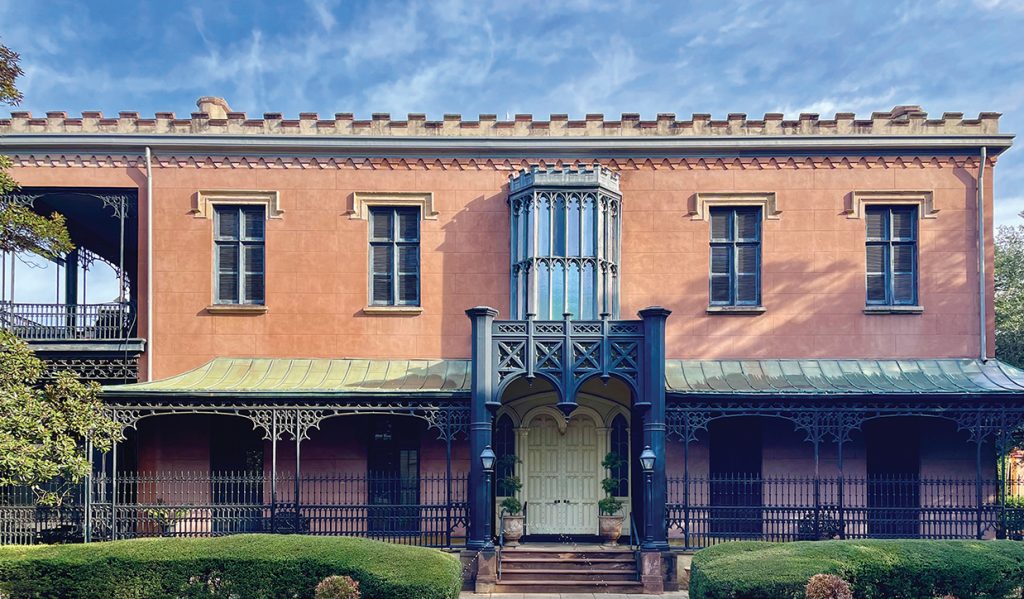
(813, 269)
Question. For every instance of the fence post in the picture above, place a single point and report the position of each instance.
(298, 473)
(686, 490)
(979, 493)
(817, 488)
(841, 490)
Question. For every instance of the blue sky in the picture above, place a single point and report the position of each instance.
(574, 56)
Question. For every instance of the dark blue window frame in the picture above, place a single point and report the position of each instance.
(735, 261)
(239, 238)
(891, 265)
(394, 260)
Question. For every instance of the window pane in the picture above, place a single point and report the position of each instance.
(902, 258)
(408, 288)
(408, 225)
(589, 227)
(720, 260)
(543, 299)
(746, 259)
(746, 289)
(588, 301)
(573, 287)
(558, 228)
(557, 290)
(903, 288)
(227, 273)
(227, 223)
(380, 224)
(573, 241)
(380, 262)
(720, 224)
(903, 220)
(253, 223)
(719, 288)
(874, 217)
(254, 288)
(747, 224)
(544, 226)
(876, 258)
(876, 288)
(408, 259)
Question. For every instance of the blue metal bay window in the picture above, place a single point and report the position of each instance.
(891, 255)
(735, 256)
(565, 243)
(394, 256)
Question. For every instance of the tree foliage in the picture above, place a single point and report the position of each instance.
(44, 429)
(22, 230)
(1009, 299)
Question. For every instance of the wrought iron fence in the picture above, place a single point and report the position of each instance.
(704, 510)
(427, 510)
(66, 321)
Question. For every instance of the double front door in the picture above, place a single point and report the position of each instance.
(563, 476)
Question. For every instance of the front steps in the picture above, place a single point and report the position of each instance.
(562, 570)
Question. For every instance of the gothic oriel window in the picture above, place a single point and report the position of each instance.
(565, 243)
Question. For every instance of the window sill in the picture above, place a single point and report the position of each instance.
(236, 308)
(893, 309)
(393, 310)
(739, 310)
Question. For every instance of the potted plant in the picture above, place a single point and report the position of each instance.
(512, 519)
(610, 507)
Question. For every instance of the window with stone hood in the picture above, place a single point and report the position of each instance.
(735, 278)
(239, 254)
(394, 256)
(891, 275)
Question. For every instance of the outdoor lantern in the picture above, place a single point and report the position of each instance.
(647, 458)
(487, 458)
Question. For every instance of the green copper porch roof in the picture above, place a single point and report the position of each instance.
(340, 377)
(287, 377)
(842, 377)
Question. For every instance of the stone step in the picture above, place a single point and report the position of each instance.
(562, 565)
(582, 575)
(568, 586)
(595, 556)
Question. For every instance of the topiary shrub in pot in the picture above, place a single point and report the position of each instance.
(609, 507)
(513, 522)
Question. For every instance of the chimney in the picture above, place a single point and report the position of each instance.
(214, 107)
(906, 111)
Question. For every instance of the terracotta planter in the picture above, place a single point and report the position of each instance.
(512, 529)
(611, 529)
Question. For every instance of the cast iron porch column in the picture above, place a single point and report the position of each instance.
(653, 386)
(482, 403)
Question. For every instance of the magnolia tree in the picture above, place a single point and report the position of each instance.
(44, 429)
(1009, 299)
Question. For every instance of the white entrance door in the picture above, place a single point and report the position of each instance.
(562, 479)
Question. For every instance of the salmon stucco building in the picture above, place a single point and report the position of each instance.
(330, 325)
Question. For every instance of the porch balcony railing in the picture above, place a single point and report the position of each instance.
(429, 509)
(57, 322)
(706, 510)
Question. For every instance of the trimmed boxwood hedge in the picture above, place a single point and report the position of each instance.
(244, 566)
(875, 569)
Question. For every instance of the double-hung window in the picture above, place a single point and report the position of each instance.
(891, 255)
(394, 256)
(735, 256)
(239, 239)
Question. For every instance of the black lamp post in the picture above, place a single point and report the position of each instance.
(487, 459)
(647, 459)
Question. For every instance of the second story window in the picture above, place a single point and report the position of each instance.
(891, 255)
(394, 256)
(735, 256)
(239, 234)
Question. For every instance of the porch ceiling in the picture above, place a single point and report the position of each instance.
(267, 377)
(842, 377)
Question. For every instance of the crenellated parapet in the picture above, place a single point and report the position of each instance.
(216, 118)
